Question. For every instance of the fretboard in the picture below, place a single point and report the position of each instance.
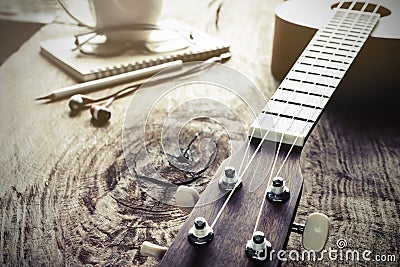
(302, 96)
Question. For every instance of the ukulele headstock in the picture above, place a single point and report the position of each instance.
(237, 220)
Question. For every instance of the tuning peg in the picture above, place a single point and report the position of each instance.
(186, 197)
(258, 247)
(200, 233)
(277, 191)
(228, 181)
(149, 249)
(315, 231)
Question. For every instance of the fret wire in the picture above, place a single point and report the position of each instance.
(284, 161)
(329, 67)
(301, 98)
(347, 59)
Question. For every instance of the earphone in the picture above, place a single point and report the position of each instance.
(78, 102)
(101, 112)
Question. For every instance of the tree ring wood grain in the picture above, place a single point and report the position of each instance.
(219, 101)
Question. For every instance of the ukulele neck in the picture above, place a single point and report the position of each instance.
(300, 99)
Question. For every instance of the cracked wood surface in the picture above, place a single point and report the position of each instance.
(68, 198)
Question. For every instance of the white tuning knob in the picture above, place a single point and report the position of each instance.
(315, 231)
(186, 197)
(149, 249)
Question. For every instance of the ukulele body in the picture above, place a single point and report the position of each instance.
(376, 65)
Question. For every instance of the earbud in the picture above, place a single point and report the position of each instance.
(100, 114)
(78, 102)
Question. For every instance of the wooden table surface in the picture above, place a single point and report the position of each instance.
(67, 196)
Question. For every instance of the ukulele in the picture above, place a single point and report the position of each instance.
(296, 22)
(251, 224)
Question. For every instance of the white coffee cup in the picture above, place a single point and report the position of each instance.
(103, 14)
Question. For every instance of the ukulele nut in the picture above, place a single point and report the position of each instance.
(228, 181)
(278, 192)
(200, 233)
(258, 248)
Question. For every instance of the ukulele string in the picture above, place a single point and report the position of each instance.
(277, 152)
(362, 10)
(269, 180)
(247, 166)
(296, 138)
(275, 159)
(241, 175)
(256, 151)
(284, 161)
(250, 161)
(282, 136)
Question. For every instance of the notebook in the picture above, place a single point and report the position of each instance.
(85, 67)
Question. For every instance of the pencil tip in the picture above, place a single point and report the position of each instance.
(47, 97)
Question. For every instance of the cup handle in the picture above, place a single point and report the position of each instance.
(67, 10)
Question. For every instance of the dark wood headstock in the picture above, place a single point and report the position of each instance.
(237, 222)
